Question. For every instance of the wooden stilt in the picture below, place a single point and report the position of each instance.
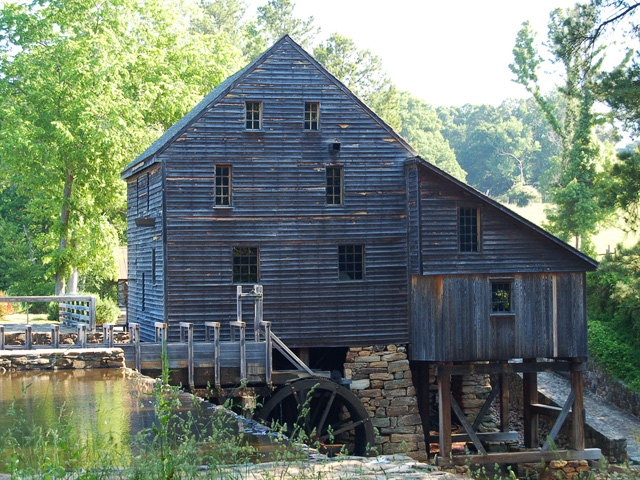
(577, 387)
(504, 402)
(444, 402)
(530, 397)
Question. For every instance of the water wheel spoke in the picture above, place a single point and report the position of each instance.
(325, 412)
(349, 426)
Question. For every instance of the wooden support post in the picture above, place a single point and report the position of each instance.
(28, 337)
(467, 426)
(423, 394)
(258, 311)
(81, 341)
(444, 401)
(504, 402)
(577, 387)
(243, 348)
(208, 327)
(186, 333)
(160, 332)
(134, 330)
(1, 337)
(92, 313)
(530, 397)
(55, 336)
(268, 352)
(107, 335)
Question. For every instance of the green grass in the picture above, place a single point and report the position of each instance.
(22, 318)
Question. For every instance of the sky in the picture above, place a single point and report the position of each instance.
(447, 52)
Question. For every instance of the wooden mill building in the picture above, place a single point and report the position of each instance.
(281, 176)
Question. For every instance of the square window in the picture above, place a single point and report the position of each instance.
(468, 229)
(245, 265)
(311, 116)
(350, 262)
(223, 186)
(253, 115)
(334, 185)
(501, 297)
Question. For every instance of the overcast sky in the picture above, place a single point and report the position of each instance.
(447, 52)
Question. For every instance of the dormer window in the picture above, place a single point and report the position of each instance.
(253, 115)
(311, 116)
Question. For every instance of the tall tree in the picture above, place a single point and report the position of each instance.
(83, 84)
(362, 72)
(576, 214)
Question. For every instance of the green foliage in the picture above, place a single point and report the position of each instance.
(53, 311)
(614, 314)
(522, 195)
(107, 310)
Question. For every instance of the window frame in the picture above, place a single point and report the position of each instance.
(308, 120)
(497, 282)
(333, 195)
(348, 267)
(460, 233)
(249, 115)
(222, 196)
(237, 262)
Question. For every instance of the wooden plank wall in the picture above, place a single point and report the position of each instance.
(505, 244)
(141, 240)
(278, 205)
(451, 318)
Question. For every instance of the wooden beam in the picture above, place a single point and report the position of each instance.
(485, 407)
(498, 368)
(530, 397)
(577, 431)
(504, 402)
(548, 410)
(444, 414)
(467, 426)
(483, 436)
(530, 456)
(559, 422)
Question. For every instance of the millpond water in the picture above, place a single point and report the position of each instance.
(109, 412)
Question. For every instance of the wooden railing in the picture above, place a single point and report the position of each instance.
(74, 309)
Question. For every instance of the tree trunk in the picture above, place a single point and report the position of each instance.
(73, 282)
(64, 233)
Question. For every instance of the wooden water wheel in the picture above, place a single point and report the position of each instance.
(321, 412)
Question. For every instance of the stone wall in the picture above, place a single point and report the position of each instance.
(381, 379)
(44, 338)
(600, 383)
(45, 359)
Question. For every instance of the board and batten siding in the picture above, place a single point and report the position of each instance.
(451, 318)
(278, 204)
(144, 235)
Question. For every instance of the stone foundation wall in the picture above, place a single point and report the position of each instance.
(555, 470)
(381, 379)
(600, 383)
(41, 359)
(44, 338)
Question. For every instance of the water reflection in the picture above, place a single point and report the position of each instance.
(110, 412)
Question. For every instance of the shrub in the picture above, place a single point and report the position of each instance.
(53, 311)
(522, 195)
(107, 310)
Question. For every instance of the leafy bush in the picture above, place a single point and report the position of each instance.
(522, 195)
(53, 311)
(107, 310)
(613, 296)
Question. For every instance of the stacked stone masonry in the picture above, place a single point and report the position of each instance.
(15, 360)
(381, 379)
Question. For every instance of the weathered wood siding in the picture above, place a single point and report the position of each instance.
(506, 245)
(144, 234)
(451, 318)
(278, 205)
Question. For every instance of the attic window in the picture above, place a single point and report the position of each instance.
(468, 228)
(253, 115)
(501, 297)
(223, 186)
(311, 116)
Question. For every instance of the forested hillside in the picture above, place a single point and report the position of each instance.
(85, 86)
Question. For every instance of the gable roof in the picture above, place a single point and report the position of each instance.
(592, 264)
(149, 156)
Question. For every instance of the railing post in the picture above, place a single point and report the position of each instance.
(216, 348)
(268, 352)
(1, 337)
(257, 311)
(161, 332)
(187, 328)
(28, 340)
(107, 339)
(243, 354)
(55, 336)
(92, 313)
(82, 335)
(134, 331)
